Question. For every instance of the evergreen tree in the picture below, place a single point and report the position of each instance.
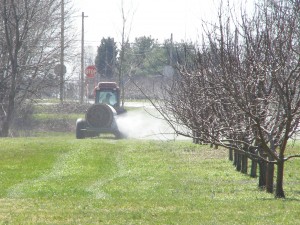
(106, 57)
(146, 57)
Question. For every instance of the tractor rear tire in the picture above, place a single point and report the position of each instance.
(80, 126)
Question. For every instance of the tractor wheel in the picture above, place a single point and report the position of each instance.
(80, 126)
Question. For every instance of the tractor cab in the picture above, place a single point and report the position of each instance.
(108, 93)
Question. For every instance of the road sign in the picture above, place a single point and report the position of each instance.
(57, 69)
(90, 71)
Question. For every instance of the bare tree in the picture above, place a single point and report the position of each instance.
(125, 33)
(30, 34)
(241, 91)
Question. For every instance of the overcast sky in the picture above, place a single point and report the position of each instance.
(158, 18)
(155, 18)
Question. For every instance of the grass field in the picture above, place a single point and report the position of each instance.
(61, 180)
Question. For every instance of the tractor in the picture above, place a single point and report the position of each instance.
(101, 116)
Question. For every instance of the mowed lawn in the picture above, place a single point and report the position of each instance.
(61, 180)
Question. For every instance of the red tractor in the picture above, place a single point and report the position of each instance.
(101, 116)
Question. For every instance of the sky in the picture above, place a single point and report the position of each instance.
(156, 18)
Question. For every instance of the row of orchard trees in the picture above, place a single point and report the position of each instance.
(241, 90)
(29, 50)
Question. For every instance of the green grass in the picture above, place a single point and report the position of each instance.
(61, 180)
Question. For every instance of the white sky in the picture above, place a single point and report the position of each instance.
(155, 18)
(158, 18)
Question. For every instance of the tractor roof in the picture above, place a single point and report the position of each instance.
(107, 85)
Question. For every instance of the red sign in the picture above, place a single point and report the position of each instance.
(90, 71)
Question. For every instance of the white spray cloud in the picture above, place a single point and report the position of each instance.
(144, 124)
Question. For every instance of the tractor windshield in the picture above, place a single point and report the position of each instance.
(107, 97)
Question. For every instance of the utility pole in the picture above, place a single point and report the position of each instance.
(82, 61)
(171, 50)
(62, 41)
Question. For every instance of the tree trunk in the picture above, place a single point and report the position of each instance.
(270, 178)
(279, 182)
(244, 164)
(238, 162)
(10, 113)
(11, 104)
(253, 169)
(235, 156)
(5, 129)
(262, 174)
(230, 156)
